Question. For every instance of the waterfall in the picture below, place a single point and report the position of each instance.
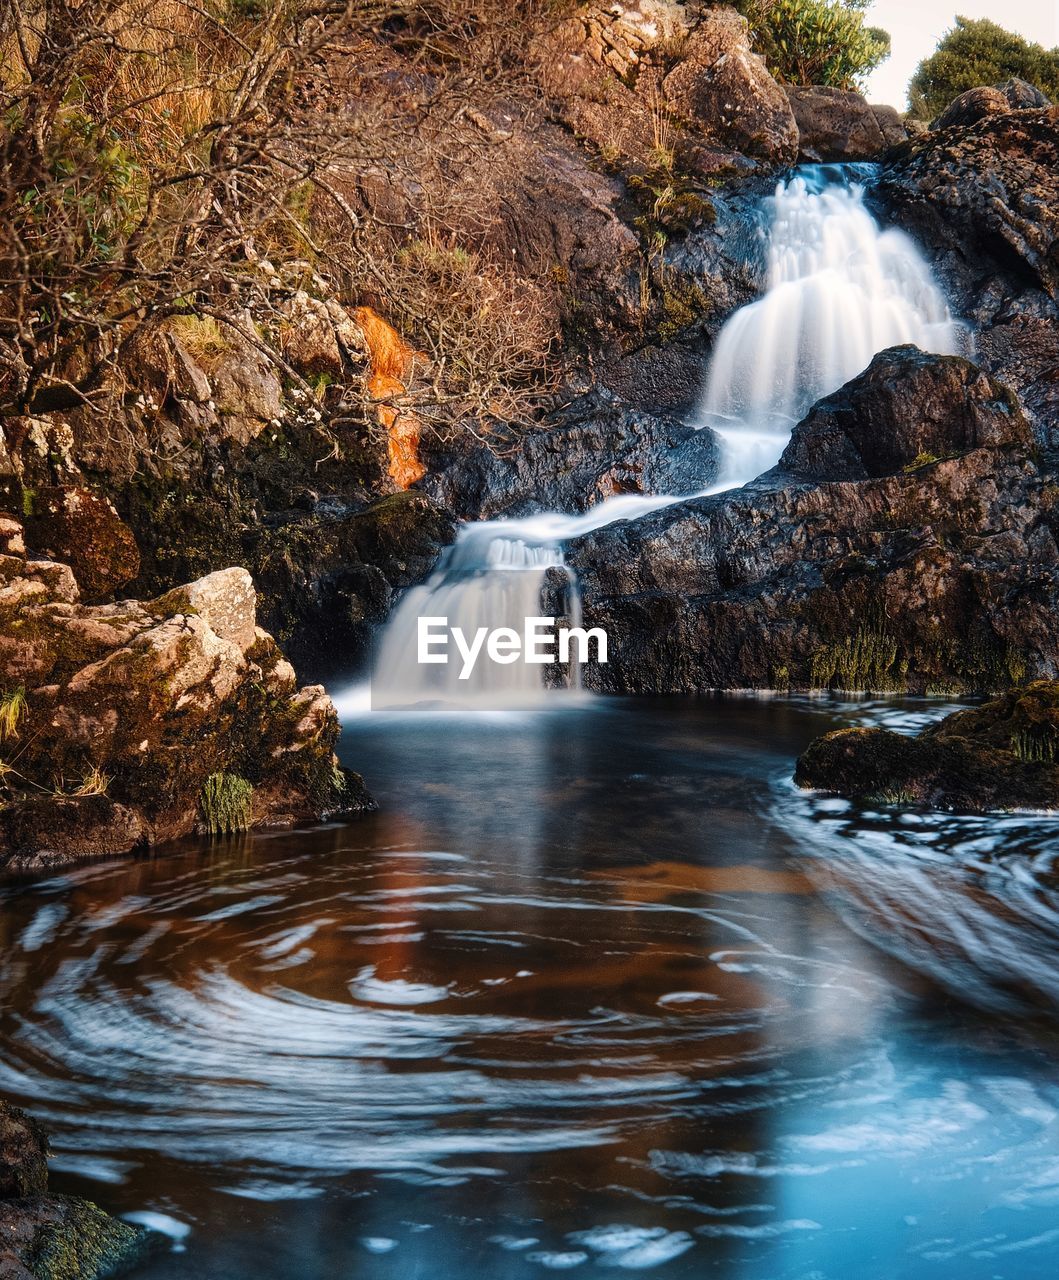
(839, 289)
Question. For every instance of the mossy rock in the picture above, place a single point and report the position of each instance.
(1001, 755)
(63, 1238)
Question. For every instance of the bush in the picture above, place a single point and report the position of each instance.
(816, 41)
(977, 52)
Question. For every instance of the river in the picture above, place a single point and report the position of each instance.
(597, 987)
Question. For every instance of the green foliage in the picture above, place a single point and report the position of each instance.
(226, 802)
(979, 52)
(816, 41)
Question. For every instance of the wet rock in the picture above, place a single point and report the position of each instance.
(982, 200)
(53, 1237)
(719, 85)
(906, 410)
(974, 104)
(971, 106)
(23, 1154)
(1001, 755)
(597, 452)
(936, 574)
(839, 125)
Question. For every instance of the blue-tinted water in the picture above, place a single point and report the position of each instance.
(597, 990)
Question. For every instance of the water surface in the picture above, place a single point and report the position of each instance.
(596, 989)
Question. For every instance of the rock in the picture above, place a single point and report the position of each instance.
(839, 125)
(71, 523)
(974, 104)
(721, 86)
(891, 123)
(130, 707)
(971, 106)
(225, 600)
(984, 199)
(23, 1154)
(907, 409)
(931, 575)
(1001, 755)
(53, 1237)
(61, 1238)
(983, 202)
(1021, 95)
(597, 451)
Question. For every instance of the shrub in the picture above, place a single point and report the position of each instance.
(977, 52)
(816, 41)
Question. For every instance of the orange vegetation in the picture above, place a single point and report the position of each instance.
(392, 360)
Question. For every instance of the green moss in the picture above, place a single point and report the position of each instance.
(226, 803)
(919, 461)
(86, 1244)
(1034, 747)
(864, 662)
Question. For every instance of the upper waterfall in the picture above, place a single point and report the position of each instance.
(840, 288)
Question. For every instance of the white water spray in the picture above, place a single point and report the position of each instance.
(839, 290)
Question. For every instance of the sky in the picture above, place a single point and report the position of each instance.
(916, 26)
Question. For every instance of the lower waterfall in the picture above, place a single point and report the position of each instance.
(839, 289)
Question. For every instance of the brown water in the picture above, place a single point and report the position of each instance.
(596, 989)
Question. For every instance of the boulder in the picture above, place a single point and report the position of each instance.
(971, 106)
(720, 86)
(1001, 755)
(906, 410)
(863, 571)
(974, 104)
(53, 1237)
(839, 125)
(23, 1154)
(982, 200)
(71, 523)
(130, 707)
(597, 451)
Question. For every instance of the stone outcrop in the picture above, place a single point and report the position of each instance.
(983, 201)
(1001, 755)
(974, 104)
(925, 564)
(647, 75)
(839, 125)
(124, 710)
(907, 409)
(594, 454)
(718, 84)
(52, 1237)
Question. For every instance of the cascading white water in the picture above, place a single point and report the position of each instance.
(839, 289)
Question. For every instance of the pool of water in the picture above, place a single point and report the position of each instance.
(596, 989)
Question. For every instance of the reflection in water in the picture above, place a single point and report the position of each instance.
(583, 995)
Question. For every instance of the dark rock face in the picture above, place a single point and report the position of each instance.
(839, 125)
(997, 756)
(908, 408)
(982, 199)
(53, 1237)
(918, 574)
(607, 451)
